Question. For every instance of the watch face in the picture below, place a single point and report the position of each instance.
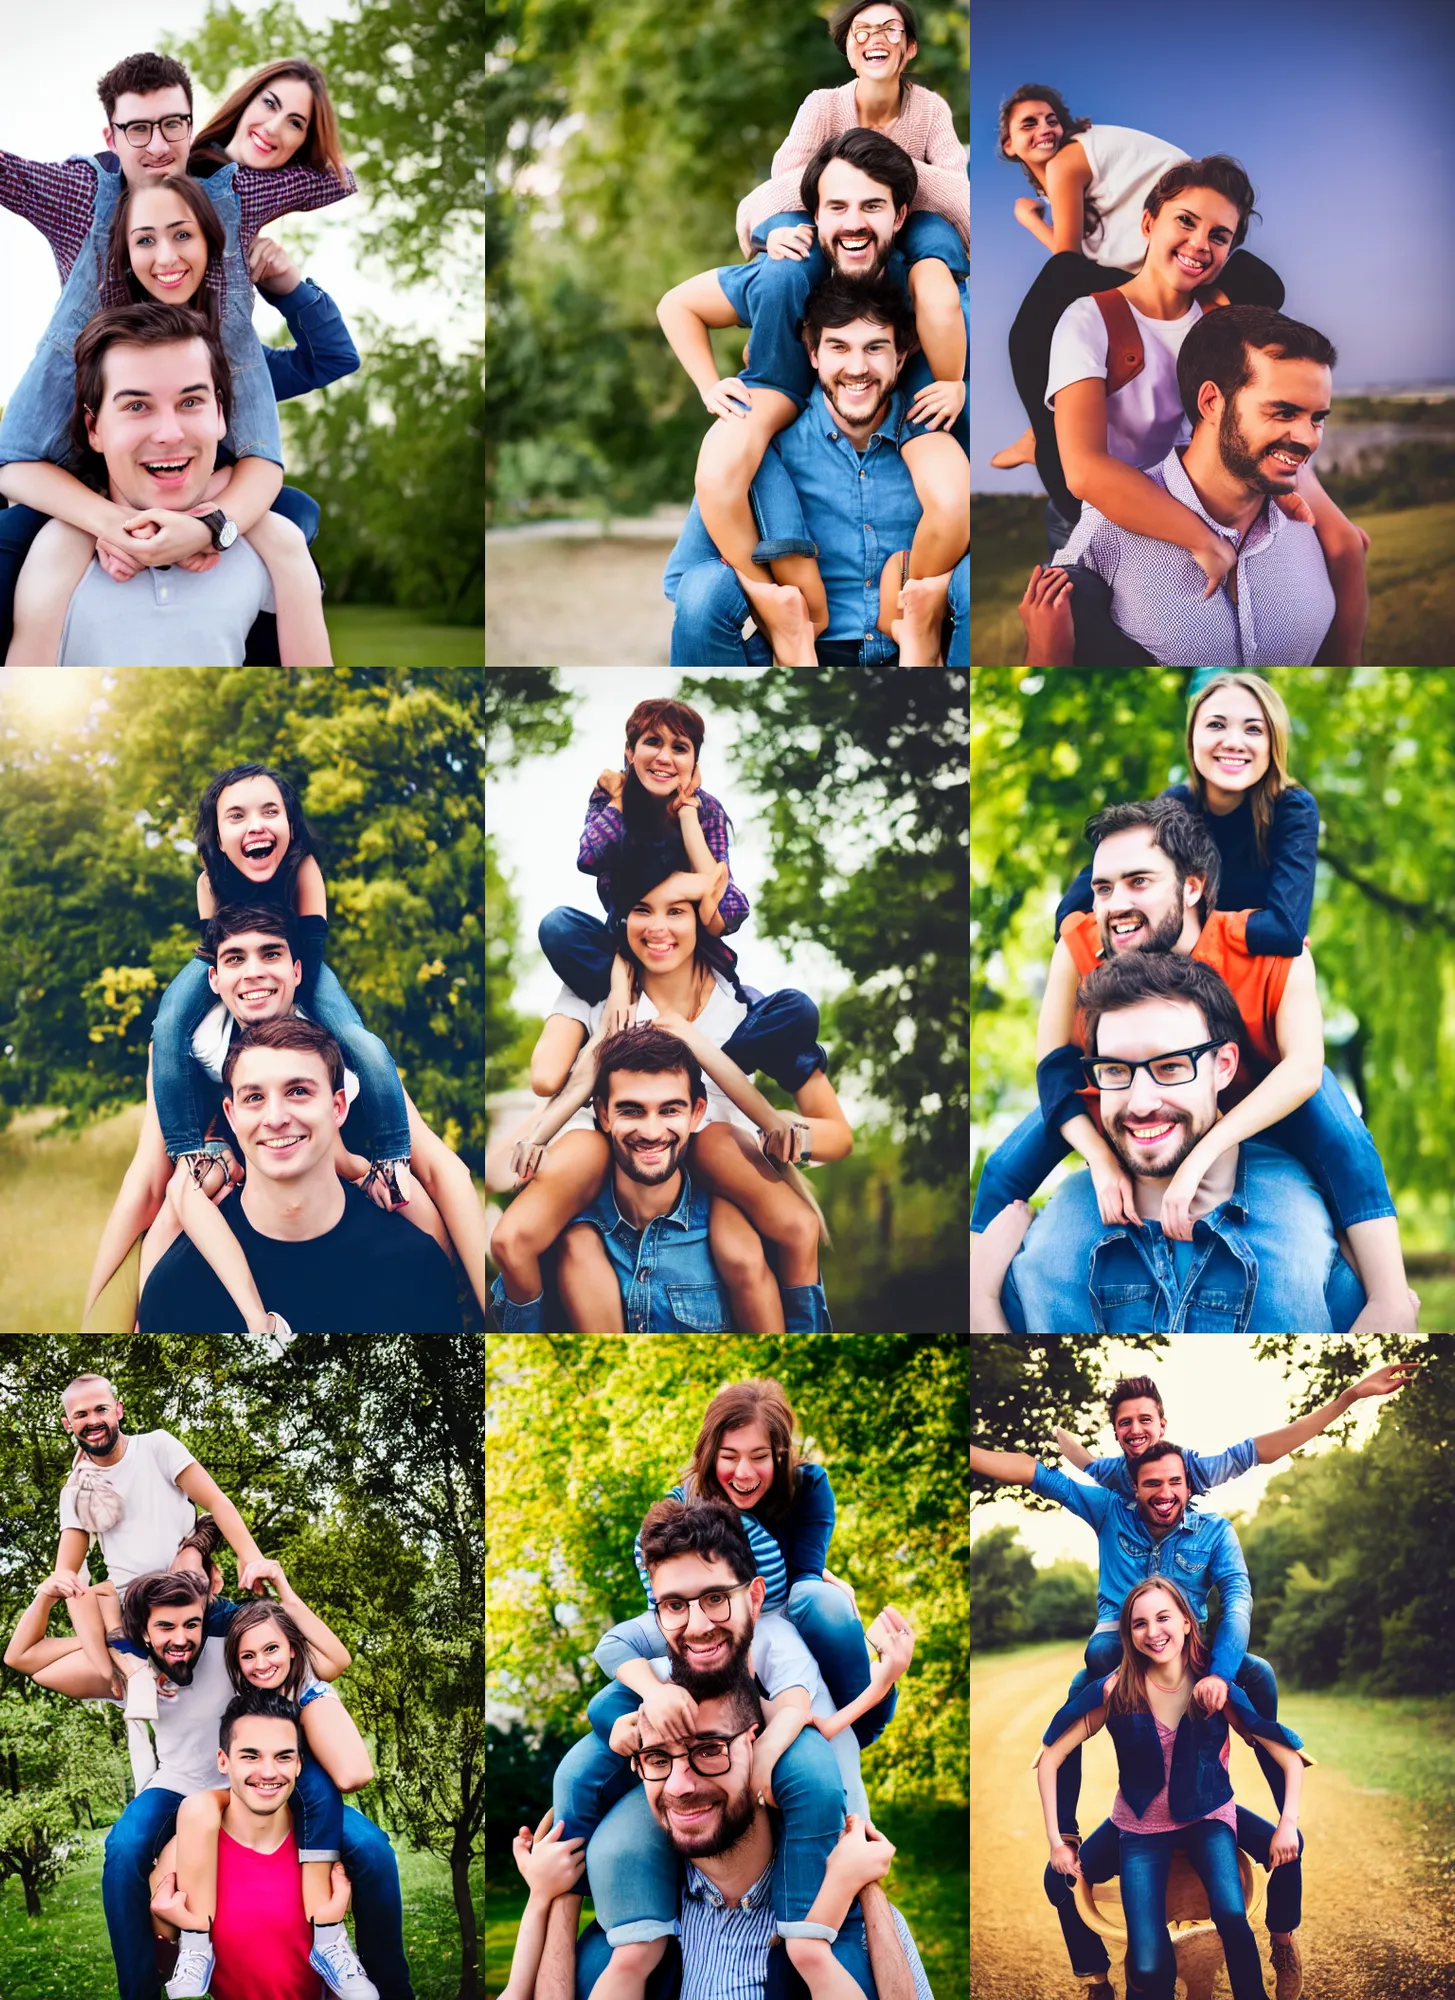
(227, 534)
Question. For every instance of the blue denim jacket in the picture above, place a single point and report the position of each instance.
(1200, 1551)
(1198, 1783)
(669, 1283)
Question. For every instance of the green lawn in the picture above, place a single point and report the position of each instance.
(1403, 1744)
(63, 1954)
(377, 635)
(1411, 582)
(929, 1882)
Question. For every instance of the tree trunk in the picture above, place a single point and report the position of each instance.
(32, 1899)
(469, 1988)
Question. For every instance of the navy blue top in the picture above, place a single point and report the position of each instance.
(1279, 891)
(323, 349)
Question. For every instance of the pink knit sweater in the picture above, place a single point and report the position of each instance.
(925, 129)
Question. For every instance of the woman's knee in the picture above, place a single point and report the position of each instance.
(737, 1248)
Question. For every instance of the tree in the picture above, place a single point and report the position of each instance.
(1061, 1602)
(38, 1841)
(1023, 1389)
(1001, 1575)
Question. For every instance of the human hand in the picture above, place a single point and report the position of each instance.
(1064, 1861)
(62, 1583)
(1283, 1846)
(861, 1856)
(795, 241)
(1178, 1198)
(551, 1866)
(937, 405)
(788, 1140)
(262, 1570)
(1045, 611)
(724, 398)
(1386, 1381)
(626, 1734)
(209, 559)
(687, 799)
(1029, 211)
(157, 536)
(525, 1162)
(613, 783)
(846, 1588)
(1215, 558)
(672, 1023)
(171, 1905)
(115, 561)
(1211, 1693)
(620, 1013)
(670, 1713)
(892, 1637)
(270, 266)
(1115, 1197)
(1295, 507)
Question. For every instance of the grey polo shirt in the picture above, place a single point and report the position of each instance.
(170, 617)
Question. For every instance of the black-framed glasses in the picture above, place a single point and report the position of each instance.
(892, 31)
(711, 1758)
(717, 1604)
(139, 130)
(1177, 1066)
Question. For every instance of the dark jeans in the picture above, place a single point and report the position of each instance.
(1103, 1656)
(1062, 280)
(1100, 1856)
(1146, 1865)
(1100, 641)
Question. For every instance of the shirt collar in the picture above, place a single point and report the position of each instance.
(1174, 475)
(679, 1217)
(826, 424)
(704, 1891)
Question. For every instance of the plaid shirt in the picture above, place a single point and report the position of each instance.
(605, 831)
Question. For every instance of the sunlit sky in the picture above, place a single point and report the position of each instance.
(1215, 1394)
(49, 109)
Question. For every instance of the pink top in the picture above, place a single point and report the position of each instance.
(260, 1934)
(925, 129)
(1157, 1819)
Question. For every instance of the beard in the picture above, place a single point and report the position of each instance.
(1136, 1162)
(626, 1159)
(849, 422)
(736, 1818)
(99, 1447)
(1243, 462)
(178, 1672)
(706, 1686)
(875, 270)
(1162, 937)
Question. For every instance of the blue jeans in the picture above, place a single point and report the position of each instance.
(318, 1812)
(185, 1095)
(631, 1863)
(829, 1626)
(1103, 1656)
(1100, 1859)
(1146, 1864)
(144, 1829)
(782, 1981)
(712, 610)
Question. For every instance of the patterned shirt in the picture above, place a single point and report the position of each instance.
(725, 1949)
(605, 831)
(1284, 606)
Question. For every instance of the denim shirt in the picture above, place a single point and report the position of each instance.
(1200, 1551)
(669, 1283)
(1203, 1469)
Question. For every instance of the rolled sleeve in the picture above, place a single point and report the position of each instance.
(1092, 1503)
(1059, 1082)
(1230, 1573)
(1217, 1467)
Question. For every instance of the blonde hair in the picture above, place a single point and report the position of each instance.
(1275, 779)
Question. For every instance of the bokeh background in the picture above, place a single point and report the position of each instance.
(100, 775)
(583, 1435)
(357, 1464)
(1376, 746)
(847, 794)
(621, 137)
(1309, 99)
(1352, 1605)
(392, 454)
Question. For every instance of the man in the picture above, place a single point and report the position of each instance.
(330, 1260)
(695, 1550)
(262, 1940)
(172, 1617)
(1155, 881)
(152, 390)
(1256, 388)
(844, 481)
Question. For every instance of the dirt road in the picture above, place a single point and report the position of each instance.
(577, 603)
(1373, 1926)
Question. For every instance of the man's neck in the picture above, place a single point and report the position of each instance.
(265, 1833)
(734, 1873)
(639, 1205)
(1225, 499)
(294, 1211)
(1213, 1189)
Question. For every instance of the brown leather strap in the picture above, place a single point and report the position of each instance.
(1125, 356)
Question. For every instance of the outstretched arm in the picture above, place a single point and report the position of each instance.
(1071, 1449)
(203, 1491)
(1386, 1381)
(895, 1644)
(330, 1656)
(1006, 1468)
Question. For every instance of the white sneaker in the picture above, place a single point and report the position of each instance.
(195, 1960)
(337, 1964)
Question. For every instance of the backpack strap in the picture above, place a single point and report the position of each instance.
(1125, 356)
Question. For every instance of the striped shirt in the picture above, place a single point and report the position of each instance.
(772, 1565)
(1284, 605)
(725, 1948)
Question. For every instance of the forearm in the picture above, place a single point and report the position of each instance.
(1277, 1444)
(29, 1634)
(254, 486)
(1073, 1450)
(328, 1649)
(1006, 1468)
(699, 854)
(1231, 1644)
(133, 1212)
(1292, 1765)
(881, 1680)
(1344, 641)
(231, 1522)
(556, 1979)
(1081, 1133)
(785, 1728)
(638, 1676)
(50, 489)
(1134, 502)
(691, 342)
(893, 1979)
(1040, 230)
(1046, 1785)
(216, 1242)
(1289, 1084)
(530, 1942)
(568, 1100)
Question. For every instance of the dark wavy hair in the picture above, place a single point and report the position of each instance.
(642, 871)
(118, 255)
(703, 1528)
(260, 1702)
(1181, 833)
(1220, 344)
(1160, 975)
(247, 1620)
(874, 154)
(839, 301)
(228, 884)
(1042, 93)
(154, 324)
(1217, 171)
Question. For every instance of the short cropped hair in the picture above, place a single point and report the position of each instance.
(646, 1051)
(697, 1528)
(745, 1708)
(78, 1380)
(1166, 1449)
(268, 919)
(290, 1032)
(1181, 834)
(1159, 975)
(873, 154)
(1217, 350)
(257, 1701)
(141, 75)
(839, 301)
(1132, 1388)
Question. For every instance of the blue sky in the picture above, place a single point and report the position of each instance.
(1343, 114)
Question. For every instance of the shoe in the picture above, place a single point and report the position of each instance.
(334, 1960)
(1289, 1967)
(195, 1960)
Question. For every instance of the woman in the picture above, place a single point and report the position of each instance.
(687, 982)
(1172, 1759)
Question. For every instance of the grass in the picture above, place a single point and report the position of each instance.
(378, 635)
(929, 1883)
(1401, 1743)
(1411, 581)
(63, 1954)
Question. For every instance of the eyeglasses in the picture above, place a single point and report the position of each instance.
(711, 1758)
(1177, 1066)
(139, 130)
(892, 31)
(717, 1604)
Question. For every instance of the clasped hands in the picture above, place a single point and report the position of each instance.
(154, 537)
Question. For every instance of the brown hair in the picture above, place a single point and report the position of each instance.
(1181, 834)
(1042, 93)
(161, 1587)
(1128, 1390)
(697, 1528)
(141, 74)
(320, 148)
(759, 1402)
(288, 1033)
(1218, 172)
(248, 1620)
(844, 17)
(155, 324)
(839, 301)
(664, 714)
(646, 1051)
(1216, 350)
(1129, 1696)
(1159, 975)
(118, 250)
(1275, 779)
(883, 159)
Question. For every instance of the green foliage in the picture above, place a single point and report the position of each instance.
(1024, 1389)
(1001, 1573)
(1377, 748)
(1061, 1602)
(97, 877)
(38, 1841)
(586, 1433)
(1405, 475)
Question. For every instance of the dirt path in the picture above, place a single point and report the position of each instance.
(577, 604)
(1373, 1928)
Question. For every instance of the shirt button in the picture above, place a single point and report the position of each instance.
(641, 1277)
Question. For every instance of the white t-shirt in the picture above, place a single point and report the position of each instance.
(186, 1727)
(718, 1022)
(157, 1513)
(1125, 166)
(213, 1037)
(1145, 419)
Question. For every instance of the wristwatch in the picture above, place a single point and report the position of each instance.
(223, 531)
